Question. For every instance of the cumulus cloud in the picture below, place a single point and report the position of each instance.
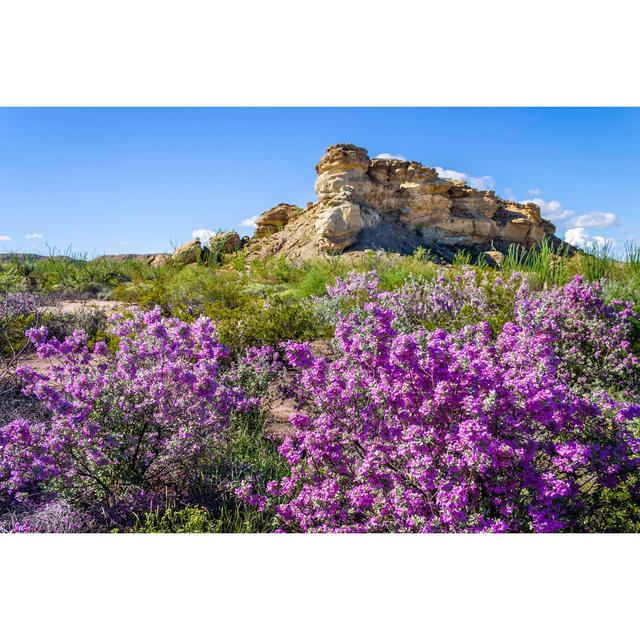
(389, 156)
(250, 222)
(202, 234)
(579, 237)
(476, 182)
(5, 238)
(594, 219)
(552, 209)
(34, 236)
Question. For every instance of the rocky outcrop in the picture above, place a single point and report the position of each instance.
(220, 244)
(152, 259)
(224, 243)
(275, 219)
(395, 205)
(188, 252)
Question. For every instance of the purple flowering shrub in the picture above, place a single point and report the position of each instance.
(593, 339)
(128, 428)
(445, 432)
(469, 402)
(448, 301)
(467, 297)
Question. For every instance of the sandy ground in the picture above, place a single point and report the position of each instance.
(69, 306)
(78, 306)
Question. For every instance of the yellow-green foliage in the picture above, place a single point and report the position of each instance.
(12, 338)
(264, 322)
(192, 519)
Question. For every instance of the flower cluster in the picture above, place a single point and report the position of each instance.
(126, 427)
(445, 431)
(591, 338)
(17, 303)
(468, 297)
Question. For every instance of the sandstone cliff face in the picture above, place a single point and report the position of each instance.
(395, 205)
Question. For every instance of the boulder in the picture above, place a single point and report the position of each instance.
(152, 259)
(275, 219)
(225, 243)
(188, 252)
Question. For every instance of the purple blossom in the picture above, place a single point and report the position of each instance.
(450, 431)
(126, 428)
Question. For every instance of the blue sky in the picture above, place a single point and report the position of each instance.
(139, 180)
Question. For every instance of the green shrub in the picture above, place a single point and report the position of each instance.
(258, 322)
(191, 519)
(12, 338)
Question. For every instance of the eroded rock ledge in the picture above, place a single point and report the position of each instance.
(394, 205)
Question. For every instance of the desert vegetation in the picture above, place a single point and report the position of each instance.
(369, 392)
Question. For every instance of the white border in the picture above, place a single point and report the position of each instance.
(295, 586)
(143, 52)
(337, 52)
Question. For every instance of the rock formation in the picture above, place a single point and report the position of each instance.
(275, 219)
(395, 205)
(188, 252)
(222, 243)
(225, 242)
(152, 259)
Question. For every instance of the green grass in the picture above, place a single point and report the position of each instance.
(545, 265)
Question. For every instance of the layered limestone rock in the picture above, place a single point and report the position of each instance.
(395, 205)
(275, 219)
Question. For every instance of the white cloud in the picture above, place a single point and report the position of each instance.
(534, 192)
(483, 183)
(389, 156)
(578, 237)
(594, 219)
(552, 209)
(450, 174)
(250, 222)
(5, 238)
(34, 236)
(202, 234)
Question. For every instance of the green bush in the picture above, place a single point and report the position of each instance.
(258, 322)
(12, 338)
(191, 519)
